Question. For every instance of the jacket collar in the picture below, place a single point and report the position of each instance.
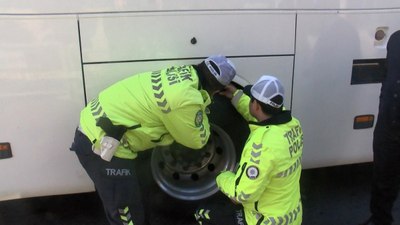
(281, 118)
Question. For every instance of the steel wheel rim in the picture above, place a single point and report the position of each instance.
(194, 180)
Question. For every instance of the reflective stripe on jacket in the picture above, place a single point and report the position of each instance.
(157, 108)
(267, 180)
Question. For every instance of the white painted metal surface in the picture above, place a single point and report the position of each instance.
(323, 99)
(41, 95)
(168, 35)
(310, 46)
(96, 6)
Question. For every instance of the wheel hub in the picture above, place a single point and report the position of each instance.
(189, 174)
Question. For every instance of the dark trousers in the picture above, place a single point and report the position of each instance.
(116, 183)
(386, 175)
(220, 212)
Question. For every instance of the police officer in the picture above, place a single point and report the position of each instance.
(265, 188)
(386, 142)
(138, 113)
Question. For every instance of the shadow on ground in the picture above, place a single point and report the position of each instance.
(331, 196)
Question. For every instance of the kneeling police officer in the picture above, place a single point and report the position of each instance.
(265, 188)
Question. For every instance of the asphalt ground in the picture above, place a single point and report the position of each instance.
(331, 196)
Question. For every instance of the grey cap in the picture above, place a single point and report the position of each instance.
(222, 68)
(265, 89)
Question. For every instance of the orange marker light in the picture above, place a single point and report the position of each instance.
(5, 150)
(363, 121)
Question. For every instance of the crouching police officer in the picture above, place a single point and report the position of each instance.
(265, 188)
(139, 113)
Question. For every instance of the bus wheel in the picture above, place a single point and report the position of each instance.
(189, 174)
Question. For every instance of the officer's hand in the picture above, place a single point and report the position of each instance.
(186, 156)
(228, 91)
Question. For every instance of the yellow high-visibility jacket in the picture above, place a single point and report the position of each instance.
(156, 107)
(267, 180)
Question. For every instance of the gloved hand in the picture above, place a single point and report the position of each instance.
(229, 91)
(185, 155)
(115, 131)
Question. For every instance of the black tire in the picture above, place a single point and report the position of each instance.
(162, 207)
(225, 116)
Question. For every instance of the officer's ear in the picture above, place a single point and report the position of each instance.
(257, 106)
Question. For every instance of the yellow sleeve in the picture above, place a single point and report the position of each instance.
(226, 183)
(241, 102)
(253, 175)
(188, 125)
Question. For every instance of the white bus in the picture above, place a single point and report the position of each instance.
(57, 55)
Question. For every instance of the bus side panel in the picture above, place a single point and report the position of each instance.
(41, 96)
(90, 6)
(116, 46)
(145, 36)
(324, 99)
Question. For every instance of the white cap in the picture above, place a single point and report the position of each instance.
(266, 89)
(222, 68)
